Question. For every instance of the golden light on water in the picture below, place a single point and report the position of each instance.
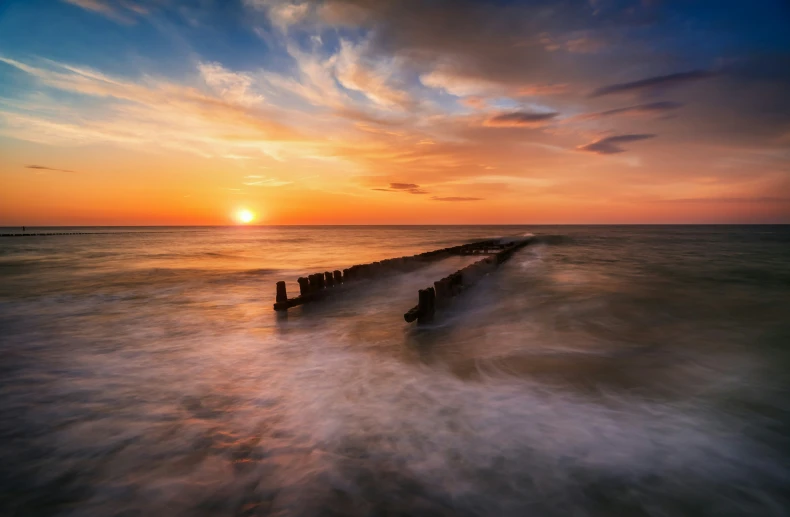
(244, 216)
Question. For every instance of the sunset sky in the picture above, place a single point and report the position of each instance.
(146, 112)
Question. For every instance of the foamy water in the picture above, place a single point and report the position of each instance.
(602, 371)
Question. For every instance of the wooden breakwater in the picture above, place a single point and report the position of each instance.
(27, 234)
(318, 285)
(49, 234)
(444, 290)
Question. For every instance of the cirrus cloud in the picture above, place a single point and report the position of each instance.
(520, 119)
(609, 145)
(653, 83)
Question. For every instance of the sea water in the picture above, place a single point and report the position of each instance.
(602, 371)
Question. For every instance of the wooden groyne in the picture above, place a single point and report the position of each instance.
(317, 285)
(26, 234)
(442, 291)
(49, 234)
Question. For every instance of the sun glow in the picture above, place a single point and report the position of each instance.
(245, 216)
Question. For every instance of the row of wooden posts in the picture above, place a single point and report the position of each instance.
(317, 285)
(313, 287)
(438, 296)
(48, 233)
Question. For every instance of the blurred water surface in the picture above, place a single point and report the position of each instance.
(630, 371)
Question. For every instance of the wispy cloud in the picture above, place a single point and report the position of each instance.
(756, 199)
(651, 83)
(652, 108)
(41, 167)
(456, 198)
(124, 11)
(259, 181)
(539, 90)
(609, 145)
(411, 188)
(370, 79)
(574, 43)
(520, 119)
(149, 112)
(232, 86)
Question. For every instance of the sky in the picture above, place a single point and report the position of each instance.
(162, 112)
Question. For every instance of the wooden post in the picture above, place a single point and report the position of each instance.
(315, 283)
(440, 289)
(338, 277)
(282, 295)
(329, 280)
(304, 286)
(281, 301)
(427, 305)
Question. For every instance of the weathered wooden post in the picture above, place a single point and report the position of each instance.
(338, 277)
(441, 291)
(329, 280)
(304, 286)
(281, 301)
(282, 295)
(427, 305)
(315, 283)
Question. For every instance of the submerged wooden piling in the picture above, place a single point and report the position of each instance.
(425, 309)
(281, 301)
(315, 286)
(454, 284)
(282, 295)
(304, 286)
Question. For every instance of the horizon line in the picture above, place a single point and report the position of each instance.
(378, 225)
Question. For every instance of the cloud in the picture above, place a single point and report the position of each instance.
(260, 181)
(372, 80)
(124, 11)
(578, 44)
(543, 89)
(757, 199)
(472, 86)
(457, 198)
(147, 112)
(232, 86)
(460, 84)
(520, 119)
(660, 81)
(475, 102)
(651, 108)
(404, 186)
(411, 188)
(609, 145)
(41, 167)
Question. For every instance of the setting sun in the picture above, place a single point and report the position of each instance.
(244, 216)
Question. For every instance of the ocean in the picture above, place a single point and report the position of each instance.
(602, 371)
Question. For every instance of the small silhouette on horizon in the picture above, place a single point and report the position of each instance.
(23, 228)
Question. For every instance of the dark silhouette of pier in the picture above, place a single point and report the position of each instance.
(318, 285)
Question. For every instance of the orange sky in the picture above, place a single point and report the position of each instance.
(335, 120)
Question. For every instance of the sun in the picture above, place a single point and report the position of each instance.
(245, 216)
